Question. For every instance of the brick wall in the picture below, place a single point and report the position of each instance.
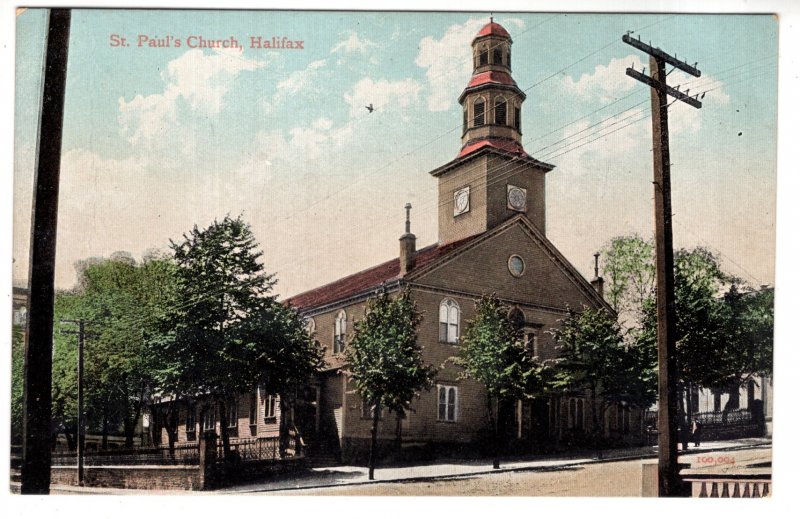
(134, 477)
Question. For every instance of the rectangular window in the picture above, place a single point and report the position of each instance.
(497, 56)
(209, 420)
(517, 121)
(483, 58)
(464, 126)
(269, 407)
(233, 414)
(253, 407)
(190, 420)
(448, 403)
(532, 342)
(479, 109)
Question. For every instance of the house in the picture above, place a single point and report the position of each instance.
(491, 239)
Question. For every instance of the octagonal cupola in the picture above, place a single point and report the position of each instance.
(492, 101)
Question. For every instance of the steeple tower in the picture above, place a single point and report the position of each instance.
(492, 179)
(492, 101)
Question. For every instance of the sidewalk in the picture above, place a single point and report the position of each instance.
(445, 469)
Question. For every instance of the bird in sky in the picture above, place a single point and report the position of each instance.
(370, 108)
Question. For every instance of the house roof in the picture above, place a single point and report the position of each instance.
(355, 284)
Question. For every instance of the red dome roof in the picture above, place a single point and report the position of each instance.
(494, 77)
(500, 144)
(493, 29)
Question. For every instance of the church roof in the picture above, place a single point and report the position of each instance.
(506, 145)
(494, 77)
(371, 278)
(493, 29)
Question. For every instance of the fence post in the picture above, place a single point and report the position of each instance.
(207, 461)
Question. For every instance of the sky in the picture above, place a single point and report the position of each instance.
(157, 140)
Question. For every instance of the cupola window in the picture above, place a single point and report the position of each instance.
(479, 111)
(483, 57)
(497, 56)
(517, 115)
(500, 111)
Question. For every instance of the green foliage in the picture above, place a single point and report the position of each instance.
(385, 359)
(17, 383)
(225, 332)
(595, 358)
(492, 353)
(120, 302)
(629, 273)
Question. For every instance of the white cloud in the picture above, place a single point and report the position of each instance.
(383, 95)
(353, 43)
(610, 82)
(202, 80)
(448, 61)
(607, 82)
(299, 82)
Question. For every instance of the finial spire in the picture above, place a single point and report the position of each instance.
(491, 17)
(408, 217)
(596, 268)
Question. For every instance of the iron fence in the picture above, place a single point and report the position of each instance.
(248, 449)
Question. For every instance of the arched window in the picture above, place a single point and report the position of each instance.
(483, 57)
(579, 415)
(449, 315)
(339, 332)
(500, 111)
(479, 112)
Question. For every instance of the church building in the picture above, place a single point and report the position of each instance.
(492, 239)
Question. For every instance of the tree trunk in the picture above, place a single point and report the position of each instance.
(71, 443)
(398, 437)
(171, 425)
(223, 430)
(283, 426)
(598, 422)
(104, 441)
(496, 439)
(376, 416)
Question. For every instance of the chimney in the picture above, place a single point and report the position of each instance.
(597, 282)
(408, 246)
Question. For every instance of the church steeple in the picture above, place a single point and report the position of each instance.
(492, 179)
(492, 101)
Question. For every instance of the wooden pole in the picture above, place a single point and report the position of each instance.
(668, 471)
(37, 427)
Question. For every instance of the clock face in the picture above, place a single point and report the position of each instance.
(461, 201)
(517, 198)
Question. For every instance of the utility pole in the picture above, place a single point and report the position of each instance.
(669, 482)
(36, 457)
(82, 334)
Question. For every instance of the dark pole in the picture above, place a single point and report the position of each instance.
(81, 425)
(668, 471)
(35, 477)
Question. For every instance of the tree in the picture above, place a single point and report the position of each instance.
(122, 301)
(17, 383)
(629, 272)
(595, 359)
(385, 360)
(492, 353)
(226, 332)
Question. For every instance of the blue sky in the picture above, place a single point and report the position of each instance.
(157, 140)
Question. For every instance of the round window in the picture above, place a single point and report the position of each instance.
(516, 266)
